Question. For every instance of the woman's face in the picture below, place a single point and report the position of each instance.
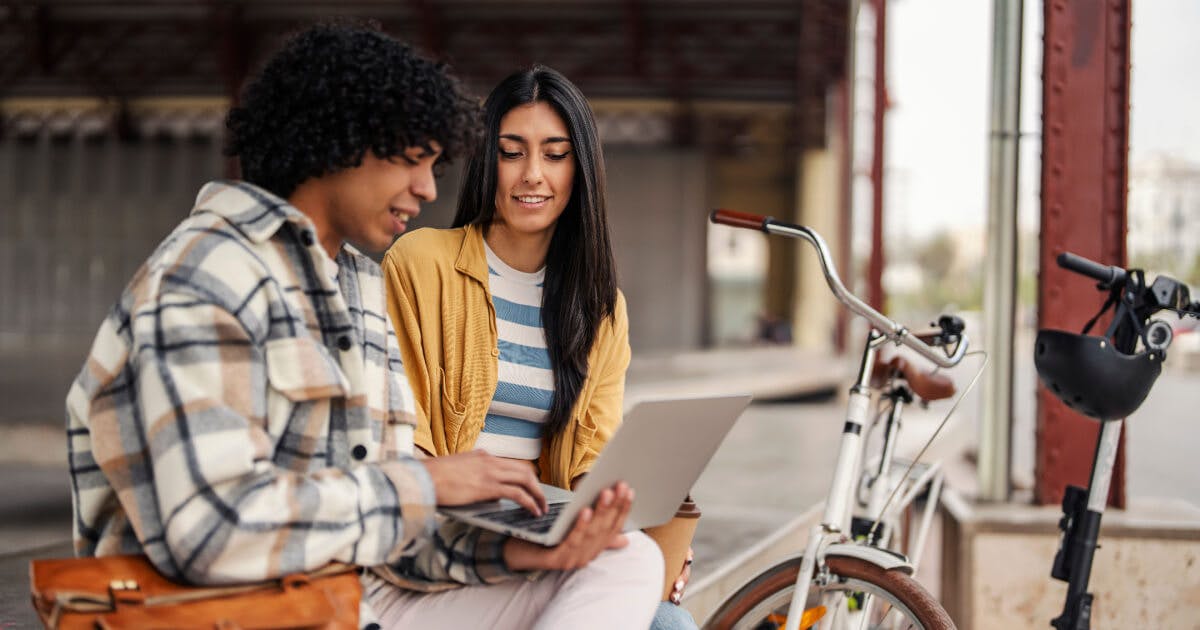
(535, 170)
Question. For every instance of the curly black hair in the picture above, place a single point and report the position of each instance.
(333, 92)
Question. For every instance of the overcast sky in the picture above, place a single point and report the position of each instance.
(939, 65)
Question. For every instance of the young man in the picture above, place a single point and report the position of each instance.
(243, 413)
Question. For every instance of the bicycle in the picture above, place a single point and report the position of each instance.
(851, 576)
(1105, 378)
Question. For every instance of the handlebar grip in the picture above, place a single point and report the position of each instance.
(740, 219)
(1105, 274)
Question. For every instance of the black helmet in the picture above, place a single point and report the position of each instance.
(1091, 376)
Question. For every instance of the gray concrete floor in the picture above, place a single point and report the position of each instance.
(33, 385)
(35, 522)
(775, 463)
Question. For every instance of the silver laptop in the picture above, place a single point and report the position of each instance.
(660, 450)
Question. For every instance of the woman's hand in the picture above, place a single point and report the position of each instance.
(684, 577)
(596, 528)
(476, 476)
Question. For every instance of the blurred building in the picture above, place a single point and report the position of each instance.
(1164, 214)
(111, 117)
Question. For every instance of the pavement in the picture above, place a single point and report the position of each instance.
(35, 522)
(775, 464)
(781, 443)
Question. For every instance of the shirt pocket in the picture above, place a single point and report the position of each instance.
(302, 369)
(453, 411)
(585, 434)
(302, 378)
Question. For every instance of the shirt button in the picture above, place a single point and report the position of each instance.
(359, 452)
(307, 238)
(495, 352)
(343, 343)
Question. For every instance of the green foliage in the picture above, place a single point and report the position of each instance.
(948, 282)
(1193, 274)
(1171, 263)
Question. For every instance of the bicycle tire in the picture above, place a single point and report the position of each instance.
(771, 591)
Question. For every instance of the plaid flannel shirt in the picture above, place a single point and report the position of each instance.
(243, 413)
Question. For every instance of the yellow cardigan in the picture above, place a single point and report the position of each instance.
(442, 311)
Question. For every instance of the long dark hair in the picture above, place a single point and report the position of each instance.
(580, 289)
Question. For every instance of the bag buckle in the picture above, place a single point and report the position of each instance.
(126, 592)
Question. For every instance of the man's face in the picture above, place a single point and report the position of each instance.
(370, 205)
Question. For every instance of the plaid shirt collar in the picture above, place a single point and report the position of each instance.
(255, 212)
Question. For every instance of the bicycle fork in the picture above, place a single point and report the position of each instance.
(836, 518)
(1080, 525)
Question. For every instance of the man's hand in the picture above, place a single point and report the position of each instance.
(476, 476)
(596, 529)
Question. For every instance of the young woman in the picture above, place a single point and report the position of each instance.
(513, 332)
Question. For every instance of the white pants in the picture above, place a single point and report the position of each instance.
(619, 589)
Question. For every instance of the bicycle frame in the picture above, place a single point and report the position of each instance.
(834, 526)
(835, 521)
(877, 508)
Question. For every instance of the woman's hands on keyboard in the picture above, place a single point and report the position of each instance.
(596, 528)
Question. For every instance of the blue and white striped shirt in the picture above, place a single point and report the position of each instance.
(525, 382)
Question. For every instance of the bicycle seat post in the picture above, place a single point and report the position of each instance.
(880, 486)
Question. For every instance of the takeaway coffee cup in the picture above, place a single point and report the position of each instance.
(674, 538)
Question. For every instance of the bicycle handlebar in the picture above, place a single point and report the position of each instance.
(1107, 275)
(737, 219)
(892, 329)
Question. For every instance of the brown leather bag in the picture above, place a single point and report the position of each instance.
(117, 592)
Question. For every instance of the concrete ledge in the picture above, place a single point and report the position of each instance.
(704, 595)
(996, 561)
(765, 373)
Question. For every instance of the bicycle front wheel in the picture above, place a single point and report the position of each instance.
(857, 594)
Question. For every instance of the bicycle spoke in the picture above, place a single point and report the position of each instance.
(898, 622)
(834, 602)
(884, 618)
(865, 601)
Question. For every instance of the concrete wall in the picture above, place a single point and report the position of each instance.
(78, 215)
(80, 210)
(996, 561)
(658, 209)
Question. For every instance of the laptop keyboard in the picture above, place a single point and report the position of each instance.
(521, 518)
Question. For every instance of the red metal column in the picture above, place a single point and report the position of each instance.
(1085, 148)
(875, 295)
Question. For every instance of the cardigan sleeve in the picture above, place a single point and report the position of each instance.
(606, 407)
(401, 305)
